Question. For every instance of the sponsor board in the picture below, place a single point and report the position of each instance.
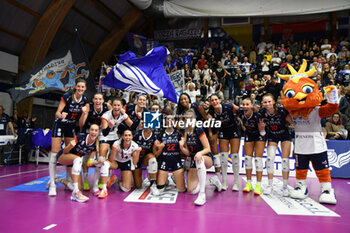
(289, 206)
(144, 195)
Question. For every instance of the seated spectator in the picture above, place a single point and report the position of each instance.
(335, 128)
(192, 92)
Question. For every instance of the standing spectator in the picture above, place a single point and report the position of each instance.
(274, 88)
(326, 47)
(4, 122)
(343, 56)
(344, 76)
(276, 62)
(265, 66)
(202, 62)
(238, 77)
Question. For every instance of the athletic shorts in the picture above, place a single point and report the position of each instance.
(169, 163)
(110, 142)
(253, 137)
(319, 161)
(193, 161)
(61, 153)
(229, 133)
(281, 137)
(124, 166)
(60, 129)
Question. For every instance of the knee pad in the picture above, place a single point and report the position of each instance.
(200, 165)
(248, 162)
(76, 169)
(132, 165)
(105, 168)
(217, 162)
(271, 153)
(152, 166)
(235, 160)
(285, 164)
(196, 190)
(123, 188)
(259, 164)
(53, 158)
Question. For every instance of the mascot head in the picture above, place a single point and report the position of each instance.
(300, 93)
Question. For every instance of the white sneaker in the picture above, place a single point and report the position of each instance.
(146, 182)
(285, 192)
(328, 197)
(78, 197)
(300, 192)
(268, 190)
(201, 200)
(216, 182)
(235, 186)
(52, 191)
(154, 189)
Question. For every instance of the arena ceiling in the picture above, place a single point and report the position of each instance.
(31, 29)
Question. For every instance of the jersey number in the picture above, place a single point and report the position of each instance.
(74, 115)
(171, 147)
(274, 127)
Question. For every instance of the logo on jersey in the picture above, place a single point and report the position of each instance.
(151, 120)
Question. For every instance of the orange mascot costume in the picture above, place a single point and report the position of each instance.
(302, 99)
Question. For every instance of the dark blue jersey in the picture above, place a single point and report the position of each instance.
(171, 141)
(250, 123)
(226, 116)
(82, 148)
(145, 143)
(4, 120)
(195, 107)
(131, 111)
(276, 123)
(73, 108)
(193, 141)
(94, 117)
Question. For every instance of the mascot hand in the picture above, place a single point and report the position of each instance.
(332, 94)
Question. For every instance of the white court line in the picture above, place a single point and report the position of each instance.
(49, 227)
(19, 173)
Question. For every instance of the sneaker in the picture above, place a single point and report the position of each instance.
(86, 185)
(100, 184)
(285, 192)
(79, 197)
(96, 193)
(235, 187)
(52, 191)
(257, 190)
(201, 200)
(146, 182)
(268, 190)
(155, 191)
(112, 180)
(247, 188)
(300, 192)
(216, 182)
(328, 197)
(103, 194)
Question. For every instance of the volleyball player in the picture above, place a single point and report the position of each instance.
(254, 143)
(276, 120)
(73, 153)
(229, 136)
(68, 112)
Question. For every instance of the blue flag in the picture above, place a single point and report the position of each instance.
(144, 74)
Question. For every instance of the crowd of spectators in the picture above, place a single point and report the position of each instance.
(233, 73)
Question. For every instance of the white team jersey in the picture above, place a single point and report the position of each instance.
(309, 138)
(127, 152)
(112, 135)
